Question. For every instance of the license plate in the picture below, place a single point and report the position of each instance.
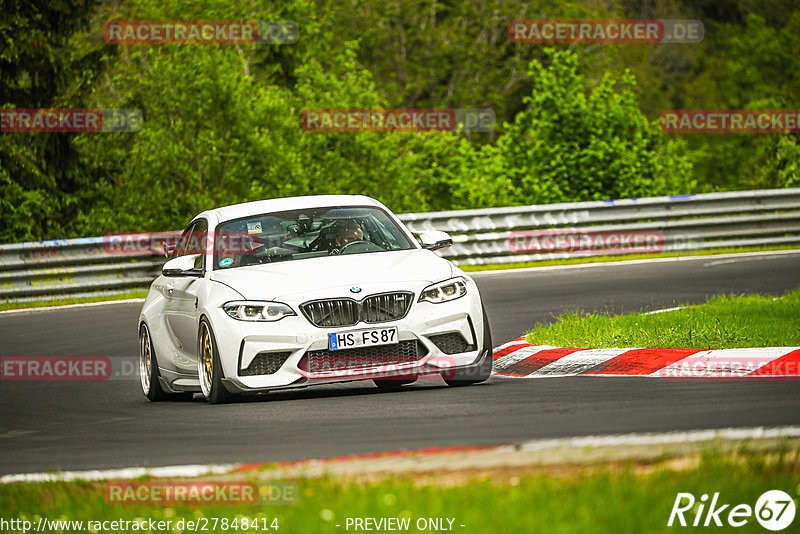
(368, 337)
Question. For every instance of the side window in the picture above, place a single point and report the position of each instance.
(193, 240)
(180, 249)
(197, 238)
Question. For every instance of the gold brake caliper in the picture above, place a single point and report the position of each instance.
(207, 355)
(147, 354)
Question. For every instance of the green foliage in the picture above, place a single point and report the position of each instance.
(750, 62)
(426, 53)
(41, 181)
(787, 161)
(222, 121)
(568, 145)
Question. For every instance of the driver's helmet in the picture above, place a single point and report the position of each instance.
(345, 231)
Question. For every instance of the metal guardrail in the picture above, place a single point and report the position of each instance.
(484, 236)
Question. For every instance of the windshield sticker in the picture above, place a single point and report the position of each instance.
(225, 262)
(254, 228)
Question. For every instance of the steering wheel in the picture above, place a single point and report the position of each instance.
(351, 243)
(344, 247)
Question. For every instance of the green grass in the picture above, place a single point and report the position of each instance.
(626, 497)
(724, 321)
(620, 257)
(133, 294)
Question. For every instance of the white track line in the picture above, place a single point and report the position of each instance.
(71, 306)
(665, 310)
(495, 272)
(612, 440)
(666, 437)
(122, 474)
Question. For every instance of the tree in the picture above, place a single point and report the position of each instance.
(233, 134)
(42, 180)
(569, 145)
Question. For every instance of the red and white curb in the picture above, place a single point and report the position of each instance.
(520, 359)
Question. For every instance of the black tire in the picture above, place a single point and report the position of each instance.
(208, 361)
(394, 382)
(148, 371)
(479, 372)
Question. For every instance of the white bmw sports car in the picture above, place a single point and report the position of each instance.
(294, 292)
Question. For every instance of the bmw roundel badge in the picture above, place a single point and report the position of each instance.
(355, 289)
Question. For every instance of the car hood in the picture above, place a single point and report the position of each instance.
(319, 276)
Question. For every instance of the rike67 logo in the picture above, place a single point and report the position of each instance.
(774, 510)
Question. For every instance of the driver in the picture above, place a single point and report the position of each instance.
(346, 231)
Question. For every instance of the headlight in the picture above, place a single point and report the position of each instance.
(245, 310)
(444, 291)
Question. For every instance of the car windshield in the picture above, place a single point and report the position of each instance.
(307, 233)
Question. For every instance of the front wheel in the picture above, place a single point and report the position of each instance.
(209, 367)
(478, 372)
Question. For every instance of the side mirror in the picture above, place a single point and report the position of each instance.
(191, 265)
(434, 239)
(166, 249)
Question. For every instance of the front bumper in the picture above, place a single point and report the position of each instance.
(292, 341)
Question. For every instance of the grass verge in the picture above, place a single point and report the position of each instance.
(723, 322)
(619, 257)
(133, 294)
(623, 496)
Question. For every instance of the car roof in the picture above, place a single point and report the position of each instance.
(247, 209)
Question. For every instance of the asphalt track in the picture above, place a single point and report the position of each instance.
(57, 425)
